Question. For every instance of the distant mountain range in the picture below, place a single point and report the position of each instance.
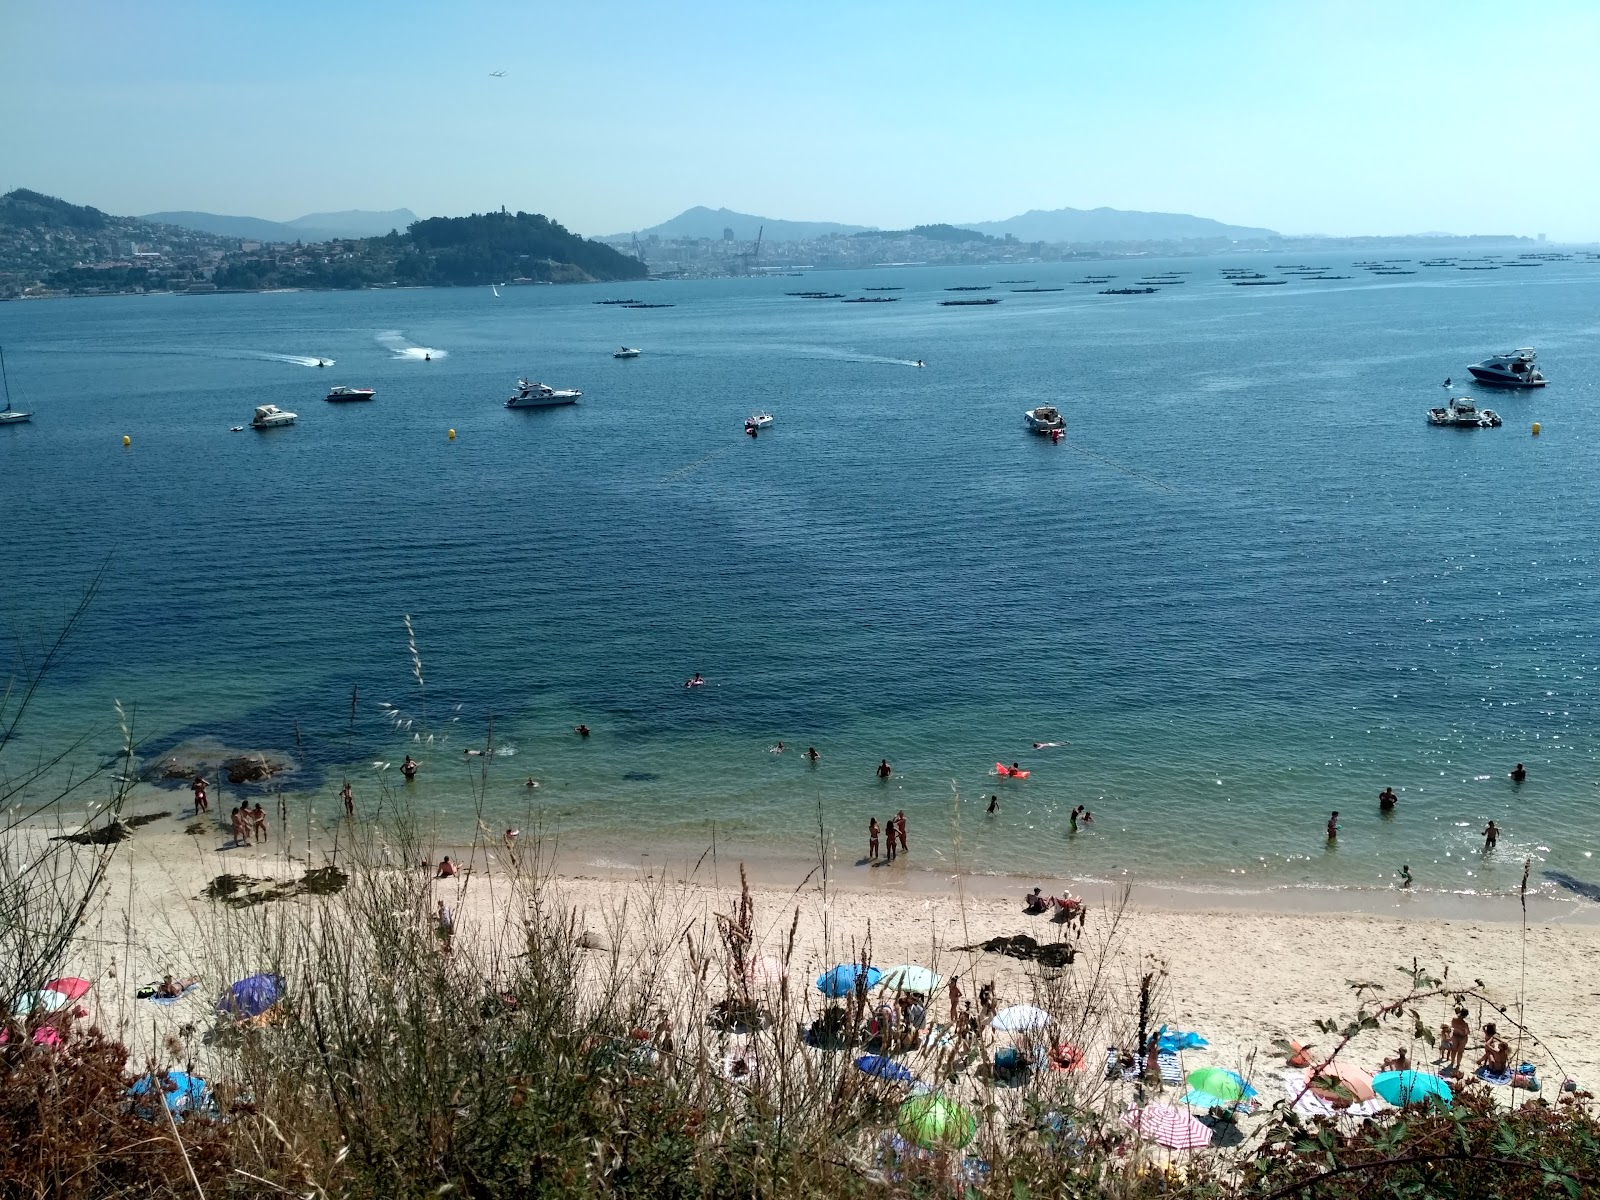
(701, 222)
(313, 227)
(1055, 225)
(1113, 225)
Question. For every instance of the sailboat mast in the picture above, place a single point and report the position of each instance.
(3, 380)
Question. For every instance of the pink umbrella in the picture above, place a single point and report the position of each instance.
(1168, 1126)
(69, 986)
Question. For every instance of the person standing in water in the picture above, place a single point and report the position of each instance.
(1333, 826)
(1491, 836)
(811, 755)
(202, 802)
(1518, 773)
(889, 839)
(1387, 800)
(872, 839)
(1405, 876)
(994, 805)
(349, 801)
(900, 828)
(409, 768)
(884, 769)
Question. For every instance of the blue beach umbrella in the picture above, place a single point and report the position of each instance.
(251, 997)
(1410, 1087)
(841, 980)
(183, 1092)
(884, 1068)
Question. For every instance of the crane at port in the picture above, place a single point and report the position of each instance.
(753, 258)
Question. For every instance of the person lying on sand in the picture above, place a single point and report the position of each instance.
(170, 988)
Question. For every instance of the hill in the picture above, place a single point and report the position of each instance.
(1114, 225)
(313, 227)
(701, 222)
(934, 233)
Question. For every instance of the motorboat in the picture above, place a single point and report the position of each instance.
(538, 395)
(1046, 418)
(1513, 370)
(341, 395)
(1463, 413)
(625, 352)
(270, 416)
(757, 421)
(9, 415)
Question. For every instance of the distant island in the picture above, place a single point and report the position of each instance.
(51, 247)
(313, 227)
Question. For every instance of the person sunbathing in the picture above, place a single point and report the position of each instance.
(1496, 1051)
(170, 988)
(1400, 1062)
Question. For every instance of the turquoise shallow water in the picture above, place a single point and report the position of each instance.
(1253, 587)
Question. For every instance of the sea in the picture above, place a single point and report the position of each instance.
(1251, 585)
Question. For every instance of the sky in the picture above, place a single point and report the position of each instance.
(1304, 116)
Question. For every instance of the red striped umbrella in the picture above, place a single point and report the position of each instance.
(1168, 1126)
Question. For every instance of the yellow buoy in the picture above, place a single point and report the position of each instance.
(126, 440)
(452, 435)
(1536, 429)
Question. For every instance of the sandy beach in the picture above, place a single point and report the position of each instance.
(1238, 969)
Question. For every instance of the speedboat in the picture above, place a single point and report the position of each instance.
(270, 416)
(343, 394)
(1515, 370)
(625, 352)
(538, 395)
(757, 420)
(1044, 419)
(1463, 413)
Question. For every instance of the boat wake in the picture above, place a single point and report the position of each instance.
(396, 343)
(855, 356)
(294, 360)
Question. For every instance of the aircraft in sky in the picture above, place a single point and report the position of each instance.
(497, 74)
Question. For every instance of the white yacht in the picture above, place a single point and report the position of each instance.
(1513, 370)
(625, 352)
(758, 420)
(538, 395)
(9, 415)
(1044, 419)
(270, 416)
(1463, 413)
(344, 395)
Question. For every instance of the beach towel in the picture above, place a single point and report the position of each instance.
(1501, 1080)
(1309, 1104)
(1177, 1039)
(147, 992)
(1166, 1060)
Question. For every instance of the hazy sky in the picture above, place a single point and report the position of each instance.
(1338, 117)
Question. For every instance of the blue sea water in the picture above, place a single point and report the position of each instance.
(1251, 587)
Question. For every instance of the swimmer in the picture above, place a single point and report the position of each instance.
(1047, 745)
(696, 681)
(1088, 817)
(994, 805)
(778, 749)
(811, 755)
(1387, 799)
(1518, 773)
(581, 730)
(472, 753)
(1016, 768)
(409, 768)
(532, 782)
(919, 362)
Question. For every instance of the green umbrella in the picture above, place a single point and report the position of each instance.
(1223, 1084)
(936, 1123)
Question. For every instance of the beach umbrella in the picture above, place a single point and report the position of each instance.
(908, 977)
(766, 970)
(181, 1090)
(841, 980)
(44, 1000)
(884, 1068)
(1020, 1017)
(69, 986)
(1215, 1087)
(252, 996)
(936, 1122)
(1336, 1076)
(1167, 1126)
(1410, 1087)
